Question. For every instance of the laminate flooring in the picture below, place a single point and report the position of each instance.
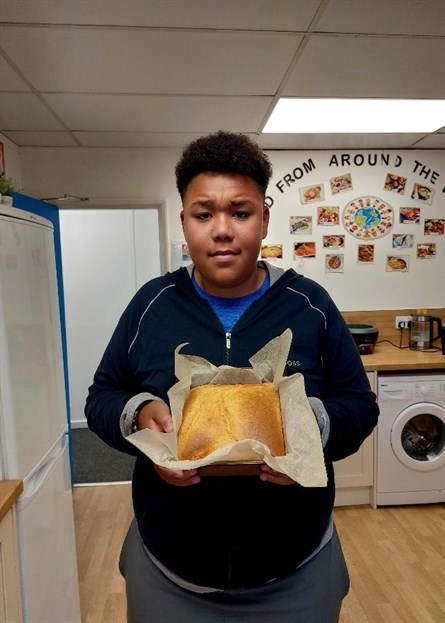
(395, 556)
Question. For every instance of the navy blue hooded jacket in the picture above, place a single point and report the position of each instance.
(232, 531)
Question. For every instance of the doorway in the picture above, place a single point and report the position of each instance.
(107, 255)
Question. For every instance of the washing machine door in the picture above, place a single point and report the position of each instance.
(418, 436)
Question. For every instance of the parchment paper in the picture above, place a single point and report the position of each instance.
(303, 462)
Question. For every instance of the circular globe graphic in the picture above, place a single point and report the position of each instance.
(368, 218)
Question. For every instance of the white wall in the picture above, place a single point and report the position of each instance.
(363, 286)
(149, 174)
(13, 167)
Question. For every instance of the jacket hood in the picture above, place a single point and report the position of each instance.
(276, 273)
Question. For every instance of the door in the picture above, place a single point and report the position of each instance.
(107, 255)
(33, 409)
(46, 540)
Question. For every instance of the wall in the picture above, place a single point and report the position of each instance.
(149, 174)
(309, 184)
(13, 165)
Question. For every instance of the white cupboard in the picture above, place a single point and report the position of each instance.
(354, 475)
(10, 590)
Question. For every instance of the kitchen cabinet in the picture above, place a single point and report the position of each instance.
(10, 588)
(354, 475)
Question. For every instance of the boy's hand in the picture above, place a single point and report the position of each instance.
(156, 416)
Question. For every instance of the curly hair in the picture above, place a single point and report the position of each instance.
(223, 152)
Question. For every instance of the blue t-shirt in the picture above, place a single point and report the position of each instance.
(230, 310)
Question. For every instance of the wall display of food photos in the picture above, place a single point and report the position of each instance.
(339, 214)
(304, 249)
(426, 251)
(334, 263)
(368, 217)
(397, 263)
(365, 253)
(300, 225)
(310, 194)
(271, 251)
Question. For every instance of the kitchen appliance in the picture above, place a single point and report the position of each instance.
(422, 331)
(33, 417)
(411, 439)
(365, 337)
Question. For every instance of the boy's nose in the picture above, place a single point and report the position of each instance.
(222, 227)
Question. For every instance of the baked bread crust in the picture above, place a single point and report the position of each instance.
(215, 416)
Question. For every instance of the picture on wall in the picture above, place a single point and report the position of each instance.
(410, 216)
(397, 263)
(310, 194)
(434, 227)
(403, 241)
(365, 253)
(271, 251)
(368, 217)
(328, 215)
(334, 241)
(300, 224)
(426, 251)
(304, 249)
(395, 183)
(423, 193)
(334, 263)
(340, 183)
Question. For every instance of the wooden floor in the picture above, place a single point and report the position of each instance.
(395, 555)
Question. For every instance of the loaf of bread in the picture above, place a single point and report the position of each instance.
(215, 416)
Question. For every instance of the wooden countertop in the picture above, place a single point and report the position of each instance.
(9, 492)
(388, 358)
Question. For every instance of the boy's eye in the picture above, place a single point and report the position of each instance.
(241, 214)
(203, 216)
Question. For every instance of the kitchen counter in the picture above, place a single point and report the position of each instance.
(387, 358)
(9, 492)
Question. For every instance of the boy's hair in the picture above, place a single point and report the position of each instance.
(223, 152)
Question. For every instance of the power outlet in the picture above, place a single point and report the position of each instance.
(403, 322)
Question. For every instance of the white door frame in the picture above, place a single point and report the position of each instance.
(117, 203)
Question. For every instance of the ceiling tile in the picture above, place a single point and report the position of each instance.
(381, 16)
(24, 111)
(337, 141)
(150, 113)
(236, 14)
(137, 61)
(369, 67)
(135, 139)
(42, 139)
(9, 79)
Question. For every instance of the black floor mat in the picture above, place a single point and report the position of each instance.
(96, 462)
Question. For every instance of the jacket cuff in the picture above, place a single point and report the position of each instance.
(323, 421)
(126, 419)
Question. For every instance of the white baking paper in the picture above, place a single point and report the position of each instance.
(304, 460)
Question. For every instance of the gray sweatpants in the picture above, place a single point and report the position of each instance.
(312, 594)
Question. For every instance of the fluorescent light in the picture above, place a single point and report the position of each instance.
(336, 115)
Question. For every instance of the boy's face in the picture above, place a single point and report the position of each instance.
(224, 221)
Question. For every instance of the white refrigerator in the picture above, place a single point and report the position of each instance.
(33, 417)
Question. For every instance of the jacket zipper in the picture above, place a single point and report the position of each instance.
(228, 346)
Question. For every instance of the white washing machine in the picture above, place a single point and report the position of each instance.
(411, 439)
